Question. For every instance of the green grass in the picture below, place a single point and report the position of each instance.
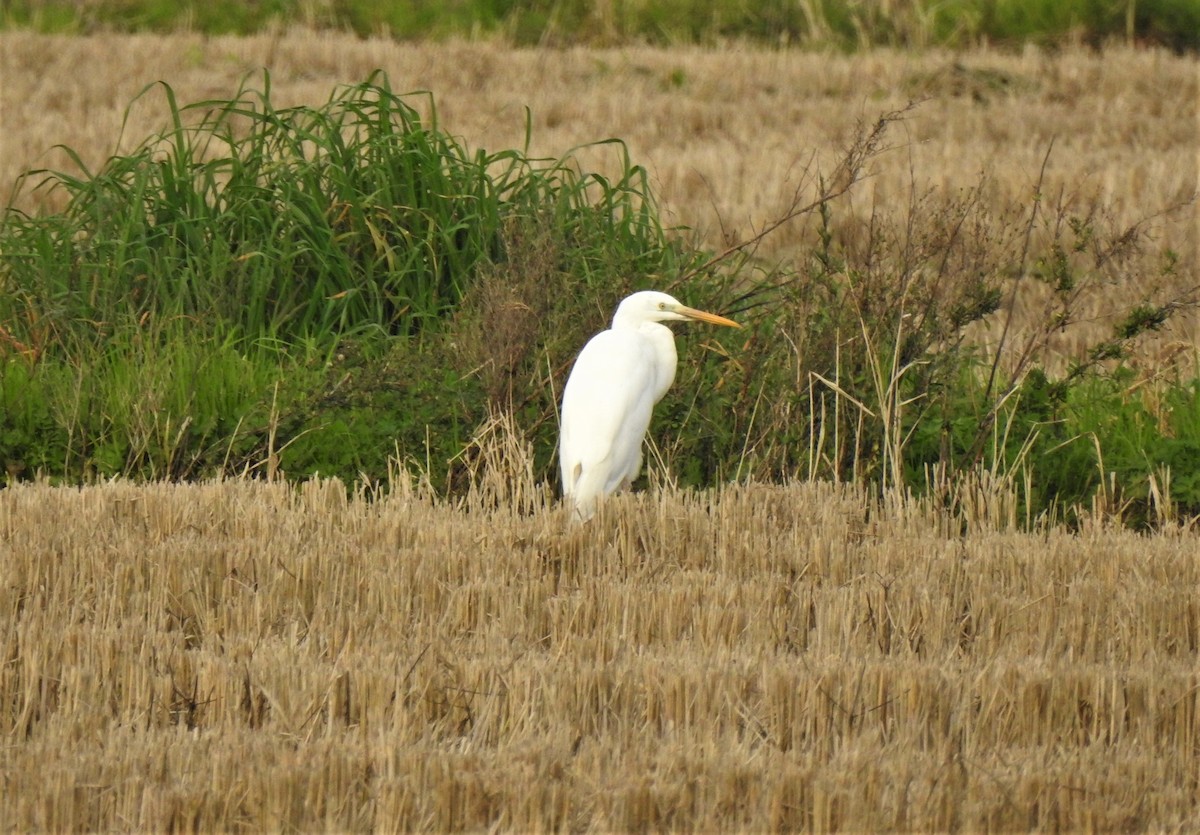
(958, 23)
(296, 223)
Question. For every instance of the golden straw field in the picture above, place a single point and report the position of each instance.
(240, 655)
(256, 655)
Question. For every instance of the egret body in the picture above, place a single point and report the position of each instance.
(618, 377)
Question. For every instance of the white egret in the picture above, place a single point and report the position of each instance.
(618, 377)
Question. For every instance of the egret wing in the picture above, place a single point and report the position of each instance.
(606, 411)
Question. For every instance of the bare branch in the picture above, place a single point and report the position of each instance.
(849, 172)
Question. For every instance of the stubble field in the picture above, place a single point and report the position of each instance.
(253, 656)
(243, 655)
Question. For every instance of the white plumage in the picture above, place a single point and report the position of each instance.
(618, 377)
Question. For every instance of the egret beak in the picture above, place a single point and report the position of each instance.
(702, 316)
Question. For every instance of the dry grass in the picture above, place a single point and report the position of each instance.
(245, 655)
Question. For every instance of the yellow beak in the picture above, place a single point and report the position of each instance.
(703, 316)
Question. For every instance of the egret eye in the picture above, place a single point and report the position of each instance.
(662, 305)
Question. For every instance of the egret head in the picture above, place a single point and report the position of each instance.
(653, 306)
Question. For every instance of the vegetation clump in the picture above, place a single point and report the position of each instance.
(253, 275)
(329, 290)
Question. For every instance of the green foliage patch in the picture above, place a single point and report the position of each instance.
(215, 282)
(298, 223)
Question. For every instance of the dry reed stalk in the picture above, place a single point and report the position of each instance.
(261, 655)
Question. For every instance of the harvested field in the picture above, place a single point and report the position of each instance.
(263, 656)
